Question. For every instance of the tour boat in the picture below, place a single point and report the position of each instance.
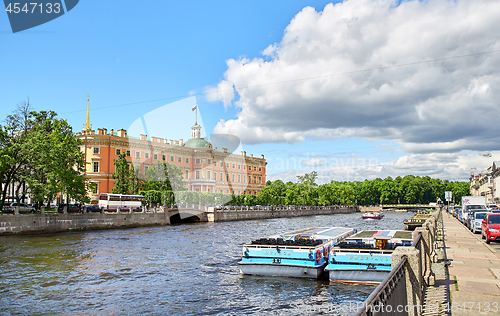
(366, 256)
(372, 215)
(416, 221)
(302, 253)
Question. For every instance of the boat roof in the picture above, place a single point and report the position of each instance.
(316, 233)
(382, 234)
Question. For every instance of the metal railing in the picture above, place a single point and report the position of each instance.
(389, 295)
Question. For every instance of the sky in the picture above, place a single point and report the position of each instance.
(354, 90)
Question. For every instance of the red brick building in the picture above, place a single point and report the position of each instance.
(204, 168)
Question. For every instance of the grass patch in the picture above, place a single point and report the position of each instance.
(456, 283)
(403, 235)
(364, 234)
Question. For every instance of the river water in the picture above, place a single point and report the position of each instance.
(188, 269)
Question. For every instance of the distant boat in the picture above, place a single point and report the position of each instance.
(302, 253)
(366, 256)
(372, 215)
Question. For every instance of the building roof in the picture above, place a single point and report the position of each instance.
(196, 143)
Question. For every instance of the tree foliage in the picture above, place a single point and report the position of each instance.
(405, 190)
(40, 155)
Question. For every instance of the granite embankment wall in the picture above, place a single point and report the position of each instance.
(49, 223)
(238, 215)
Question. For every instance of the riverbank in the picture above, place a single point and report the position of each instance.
(55, 222)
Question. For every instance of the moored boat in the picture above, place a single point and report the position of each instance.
(366, 256)
(302, 253)
(416, 221)
(372, 215)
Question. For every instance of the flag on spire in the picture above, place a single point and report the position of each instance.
(194, 107)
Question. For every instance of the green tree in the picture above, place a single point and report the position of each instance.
(124, 175)
(40, 156)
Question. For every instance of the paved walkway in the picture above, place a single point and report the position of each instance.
(474, 272)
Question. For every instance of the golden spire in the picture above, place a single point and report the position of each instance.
(87, 122)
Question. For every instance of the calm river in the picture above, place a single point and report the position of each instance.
(188, 269)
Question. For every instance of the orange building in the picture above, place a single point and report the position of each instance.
(204, 168)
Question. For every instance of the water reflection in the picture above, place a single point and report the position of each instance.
(184, 269)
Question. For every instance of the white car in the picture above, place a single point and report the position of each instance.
(476, 223)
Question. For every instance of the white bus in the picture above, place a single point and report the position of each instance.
(111, 202)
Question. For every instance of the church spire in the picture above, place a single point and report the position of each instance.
(87, 122)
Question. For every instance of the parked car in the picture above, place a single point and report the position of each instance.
(490, 227)
(23, 208)
(72, 208)
(475, 225)
(92, 208)
(490, 207)
(470, 218)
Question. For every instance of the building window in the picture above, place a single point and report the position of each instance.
(155, 156)
(239, 166)
(254, 168)
(249, 168)
(233, 177)
(197, 190)
(227, 190)
(163, 157)
(208, 175)
(221, 164)
(215, 163)
(118, 152)
(187, 160)
(203, 161)
(96, 166)
(209, 162)
(260, 169)
(137, 154)
(227, 165)
(249, 179)
(254, 179)
(96, 150)
(187, 174)
(227, 177)
(146, 155)
(95, 189)
(179, 159)
(197, 174)
(239, 178)
(172, 158)
(128, 153)
(197, 161)
(221, 178)
(215, 176)
(234, 166)
(260, 180)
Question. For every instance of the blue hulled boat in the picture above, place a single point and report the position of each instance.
(366, 256)
(302, 253)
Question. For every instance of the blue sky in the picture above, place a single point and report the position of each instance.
(133, 58)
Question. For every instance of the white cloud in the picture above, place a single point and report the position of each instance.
(446, 105)
(451, 166)
(314, 162)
